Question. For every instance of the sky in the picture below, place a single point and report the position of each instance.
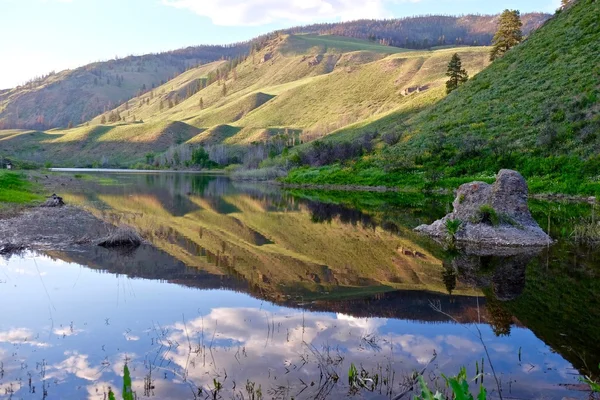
(39, 36)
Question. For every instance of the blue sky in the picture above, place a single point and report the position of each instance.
(38, 36)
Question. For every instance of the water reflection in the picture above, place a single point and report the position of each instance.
(178, 340)
(263, 290)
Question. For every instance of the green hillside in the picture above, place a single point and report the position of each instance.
(302, 86)
(536, 110)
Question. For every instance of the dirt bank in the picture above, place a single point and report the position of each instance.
(60, 228)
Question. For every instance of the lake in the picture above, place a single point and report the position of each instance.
(250, 291)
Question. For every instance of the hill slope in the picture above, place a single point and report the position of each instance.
(301, 87)
(536, 110)
(81, 94)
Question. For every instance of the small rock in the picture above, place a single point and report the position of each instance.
(53, 201)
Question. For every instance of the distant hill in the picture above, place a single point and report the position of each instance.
(75, 96)
(78, 95)
(536, 110)
(422, 32)
(296, 88)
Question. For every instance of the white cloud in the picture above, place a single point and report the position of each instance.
(260, 12)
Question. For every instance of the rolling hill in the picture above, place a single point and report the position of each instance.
(304, 86)
(75, 96)
(536, 110)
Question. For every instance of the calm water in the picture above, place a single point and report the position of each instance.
(274, 294)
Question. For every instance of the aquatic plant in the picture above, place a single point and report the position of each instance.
(458, 385)
(127, 390)
(586, 233)
(594, 385)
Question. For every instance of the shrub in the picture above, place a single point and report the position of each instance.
(487, 215)
(453, 226)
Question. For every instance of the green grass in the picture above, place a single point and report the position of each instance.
(356, 83)
(15, 189)
(536, 110)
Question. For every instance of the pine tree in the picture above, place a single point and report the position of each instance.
(457, 74)
(201, 103)
(70, 126)
(103, 120)
(509, 33)
(224, 90)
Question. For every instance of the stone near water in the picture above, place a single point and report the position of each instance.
(53, 201)
(496, 214)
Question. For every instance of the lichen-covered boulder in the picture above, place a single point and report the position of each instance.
(495, 215)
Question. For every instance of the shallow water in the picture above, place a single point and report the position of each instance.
(278, 293)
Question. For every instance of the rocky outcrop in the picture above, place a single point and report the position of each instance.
(496, 215)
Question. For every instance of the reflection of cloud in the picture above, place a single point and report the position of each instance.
(462, 343)
(67, 331)
(130, 337)
(78, 365)
(21, 336)
(99, 391)
(258, 345)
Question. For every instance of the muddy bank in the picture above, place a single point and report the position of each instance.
(60, 228)
(50, 228)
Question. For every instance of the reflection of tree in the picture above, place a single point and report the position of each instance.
(499, 318)
(449, 278)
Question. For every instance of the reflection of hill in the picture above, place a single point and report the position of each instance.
(561, 304)
(148, 262)
(283, 252)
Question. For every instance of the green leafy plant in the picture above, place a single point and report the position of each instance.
(458, 385)
(361, 380)
(594, 385)
(487, 215)
(453, 226)
(127, 390)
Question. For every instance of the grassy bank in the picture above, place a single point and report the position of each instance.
(16, 192)
(535, 110)
(16, 189)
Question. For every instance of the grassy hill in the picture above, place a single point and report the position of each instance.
(536, 110)
(303, 87)
(80, 94)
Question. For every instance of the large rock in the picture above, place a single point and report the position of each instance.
(495, 214)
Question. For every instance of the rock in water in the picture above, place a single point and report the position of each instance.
(496, 215)
(53, 201)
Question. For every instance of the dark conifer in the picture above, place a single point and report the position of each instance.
(457, 74)
(509, 33)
